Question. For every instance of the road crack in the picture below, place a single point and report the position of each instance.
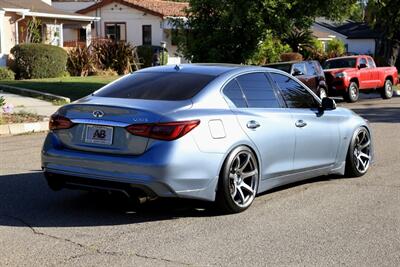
(90, 250)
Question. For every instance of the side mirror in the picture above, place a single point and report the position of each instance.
(297, 72)
(362, 66)
(328, 104)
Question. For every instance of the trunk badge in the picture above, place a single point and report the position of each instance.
(98, 113)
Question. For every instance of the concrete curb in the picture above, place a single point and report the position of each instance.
(21, 128)
(33, 93)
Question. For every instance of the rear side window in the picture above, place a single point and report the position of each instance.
(371, 63)
(311, 70)
(156, 86)
(258, 91)
(234, 93)
(299, 67)
(295, 95)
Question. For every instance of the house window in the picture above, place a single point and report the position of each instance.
(115, 31)
(146, 35)
(82, 35)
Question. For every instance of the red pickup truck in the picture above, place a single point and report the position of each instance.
(347, 76)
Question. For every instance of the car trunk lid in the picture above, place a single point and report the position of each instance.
(99, 123)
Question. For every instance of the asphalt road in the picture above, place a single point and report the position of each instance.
(324, 221)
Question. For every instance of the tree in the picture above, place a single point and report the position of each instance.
(231, 30)
(384, 16)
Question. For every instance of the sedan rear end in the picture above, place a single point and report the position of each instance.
(132, 137)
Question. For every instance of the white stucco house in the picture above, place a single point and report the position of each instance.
(16, 14)
(358, 37)
(140, 22)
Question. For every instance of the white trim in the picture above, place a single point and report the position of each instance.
(16, 10)
(62, 16)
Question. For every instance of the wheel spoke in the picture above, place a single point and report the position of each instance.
(362, 164)
(365, 145)
(362, 154)
(241, 195)
(247, 188)
(232, 176)
(249, 174)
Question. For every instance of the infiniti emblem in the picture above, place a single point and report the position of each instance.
(98, 113)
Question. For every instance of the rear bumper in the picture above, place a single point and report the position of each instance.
(167, 169)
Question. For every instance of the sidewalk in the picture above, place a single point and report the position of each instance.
(29, 104)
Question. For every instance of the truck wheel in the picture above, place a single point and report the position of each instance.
(352, 93)
(387, 90)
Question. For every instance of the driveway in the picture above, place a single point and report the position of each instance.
(324, 221)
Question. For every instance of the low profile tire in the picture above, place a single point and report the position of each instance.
(359, 154)
(238, 182)
(322, 93)
(352, 93)
(387, 90)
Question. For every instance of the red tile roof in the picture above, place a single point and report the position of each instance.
(155, 7)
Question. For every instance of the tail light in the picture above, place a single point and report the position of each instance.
(164, 131)
(58, 122)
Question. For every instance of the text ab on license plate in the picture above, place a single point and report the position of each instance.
(97, 134)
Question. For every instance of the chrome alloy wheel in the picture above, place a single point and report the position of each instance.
(389, 89)
(243, 179)
(353, 92)
(362, 151)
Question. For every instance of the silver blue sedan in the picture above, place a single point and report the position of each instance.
(220, 133)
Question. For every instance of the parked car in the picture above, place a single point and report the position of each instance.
(309, 72)
(211, 132)
(347, 76)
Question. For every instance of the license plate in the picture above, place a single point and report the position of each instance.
(96, 134)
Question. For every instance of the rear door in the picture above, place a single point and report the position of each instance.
(317, 136)
(261, 116)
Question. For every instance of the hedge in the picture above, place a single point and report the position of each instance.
(32, 61)
(6, 74)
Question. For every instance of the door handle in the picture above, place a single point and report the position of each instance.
(300, 123)
(252, 124)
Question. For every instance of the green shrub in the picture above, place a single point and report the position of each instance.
(2, 101)
(6, 74)
(336, 48)
(146, 52)
(39, 61)
(269, 51)
(314, 50)
(291, 57)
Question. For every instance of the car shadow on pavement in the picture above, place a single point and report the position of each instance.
(381, 114)
(25, 200)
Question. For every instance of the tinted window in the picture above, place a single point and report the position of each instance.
(258, 91)
(234, 93)
(340, 63)
(301, 67)
(311, 69)
(295, 95)
(156, 86)
(283, 67)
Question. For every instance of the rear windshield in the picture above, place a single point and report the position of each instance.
(156, 86)
(283, 67)
(340, 63)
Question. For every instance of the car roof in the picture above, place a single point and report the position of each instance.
(214, 69)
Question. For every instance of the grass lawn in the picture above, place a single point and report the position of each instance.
(72, 87)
